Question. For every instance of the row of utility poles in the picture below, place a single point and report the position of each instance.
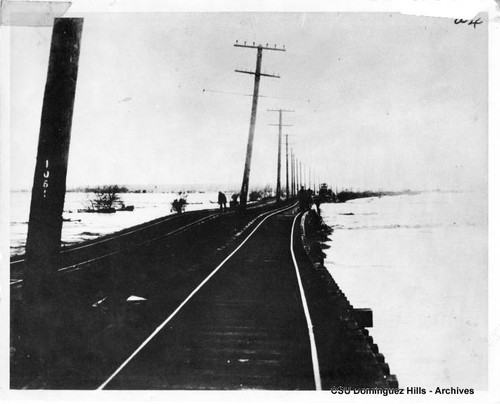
(295, 167)
(280, 125)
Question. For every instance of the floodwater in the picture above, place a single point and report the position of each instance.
(420, 263)
(87, 226)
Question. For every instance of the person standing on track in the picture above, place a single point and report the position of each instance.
(233, 204)
(222, 201)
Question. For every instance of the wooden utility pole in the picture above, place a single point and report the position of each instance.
(257, 73)
(292, 171)
(297, 179)
(49, 184)
(300, 174)
(295, 172)
(280, 125)
(287, 180)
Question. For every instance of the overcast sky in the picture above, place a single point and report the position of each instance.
(381, 100)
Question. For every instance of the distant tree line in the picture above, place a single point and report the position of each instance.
(89, 190)
(260, 194)
(108, 188)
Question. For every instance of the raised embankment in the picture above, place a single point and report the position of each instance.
(220, 304)
(361, 358)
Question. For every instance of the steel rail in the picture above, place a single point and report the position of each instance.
(77, 266)
(105, 239)
(312, 340)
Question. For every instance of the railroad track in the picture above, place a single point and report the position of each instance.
(133, 369)
(209, 318)
(80, 265)
(106, 239)
(172, 290)
(106, 242)
(109, 239)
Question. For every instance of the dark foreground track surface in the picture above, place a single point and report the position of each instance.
(86, 328)
(244, 329)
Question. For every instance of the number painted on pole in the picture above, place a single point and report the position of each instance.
(46, 175)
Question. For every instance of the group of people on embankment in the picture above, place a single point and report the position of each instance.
(222, 201)
(305, 197)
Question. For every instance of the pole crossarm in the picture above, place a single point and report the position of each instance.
(280, 124)
(260, 74)
(253, 46)
(276, 76)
